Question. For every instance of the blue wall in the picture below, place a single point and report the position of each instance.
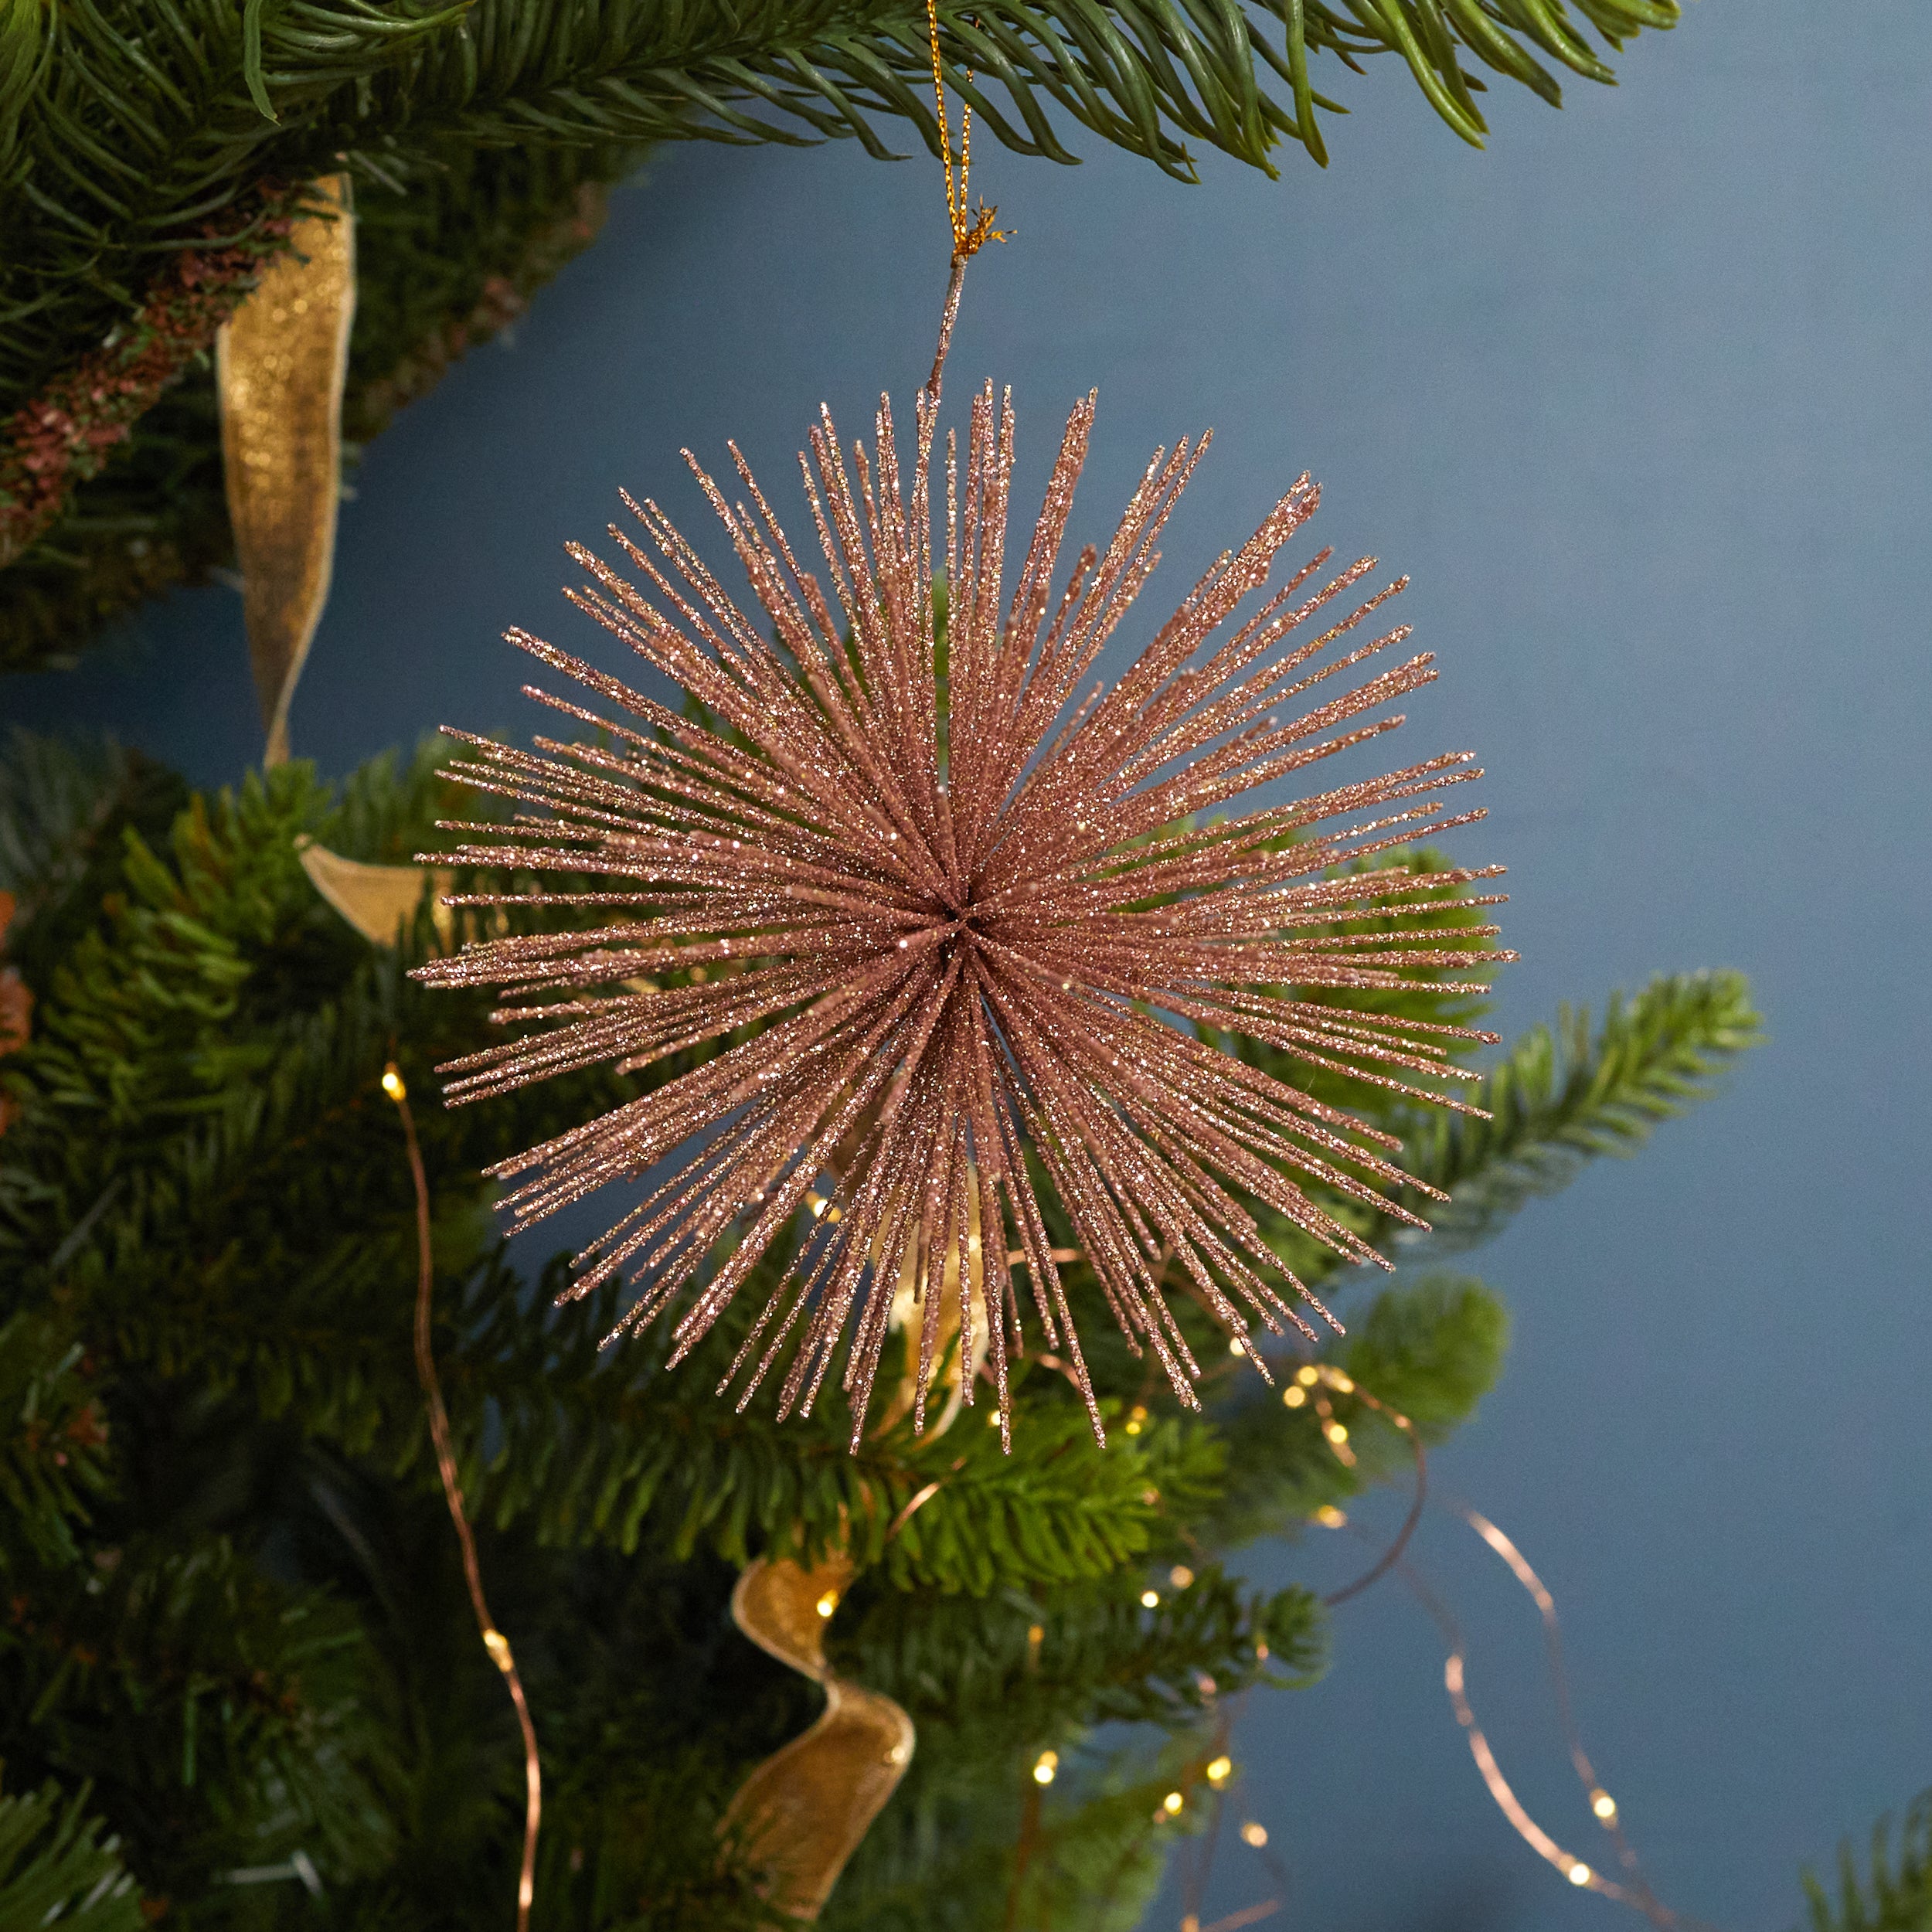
(1640, 398)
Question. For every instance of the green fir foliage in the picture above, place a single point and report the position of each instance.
(1562, 1097)
(1431, 1352)
(52, 1454)
(64, 810)
(55, 1866)
(221, 1716)
(1895, 1895)
(131, 127)
(235, 1631)
(479, 134)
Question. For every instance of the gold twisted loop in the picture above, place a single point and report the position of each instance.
(972, 229)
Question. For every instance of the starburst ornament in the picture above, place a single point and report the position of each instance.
(959, 919)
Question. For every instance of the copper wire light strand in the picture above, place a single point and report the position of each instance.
(1455, 1675)
(1636, 1893)
(1602, 1805)
(493, 1641)
(1392, 1555)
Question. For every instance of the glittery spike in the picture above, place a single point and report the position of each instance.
(951, 908)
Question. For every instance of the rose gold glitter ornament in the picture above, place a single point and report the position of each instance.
(987, 914)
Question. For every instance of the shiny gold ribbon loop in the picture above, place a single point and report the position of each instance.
(379, 901)
(801, 1814)
(280, 364)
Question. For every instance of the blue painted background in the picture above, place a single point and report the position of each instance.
(1642, 397)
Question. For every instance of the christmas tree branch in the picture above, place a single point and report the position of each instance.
(1561, 1097)
(65, 435)
(54, 1864)
(447, 257)
(256, 1641)
(1896, 1896)
(117, 138)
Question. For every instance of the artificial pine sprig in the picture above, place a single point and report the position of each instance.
(1564, 1096)
(1894, 1895)
(54, 1864)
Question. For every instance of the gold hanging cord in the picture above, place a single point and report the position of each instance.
(972, 229)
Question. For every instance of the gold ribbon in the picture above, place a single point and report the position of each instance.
(802, 1812)
(379, 901)
(280, 364)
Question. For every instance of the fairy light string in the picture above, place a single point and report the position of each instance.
(1636, 1894)
(1313, 1386)
(493, 1641)
(1602, 1807)
(1313, 1382)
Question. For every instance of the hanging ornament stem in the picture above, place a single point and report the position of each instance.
(493, 1641)
(946, 317)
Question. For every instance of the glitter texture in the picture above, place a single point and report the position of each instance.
(987, 915)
